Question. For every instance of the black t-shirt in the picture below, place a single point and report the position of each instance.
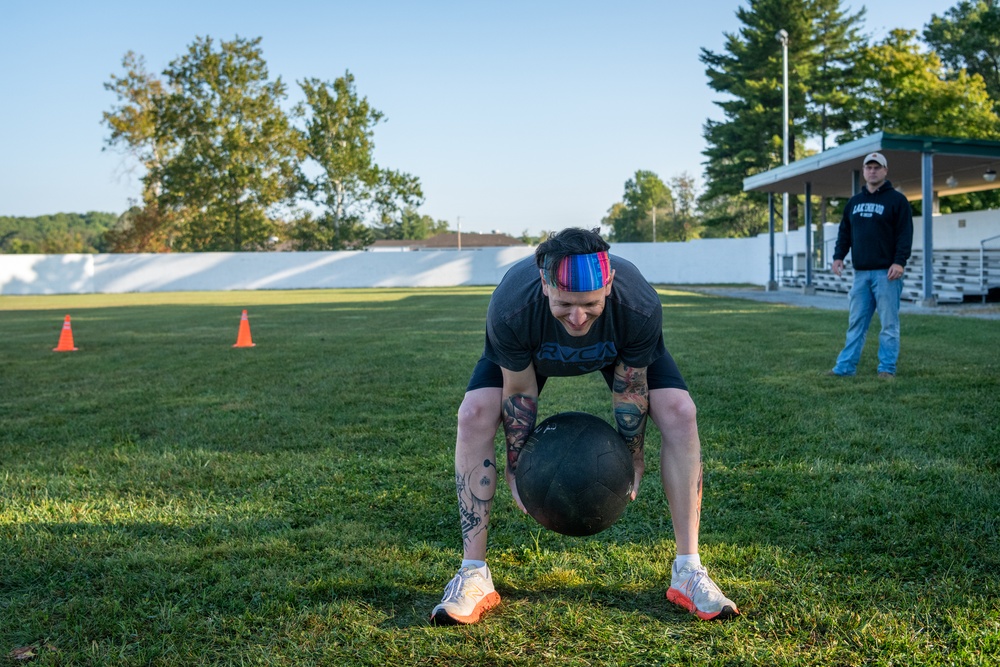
(520, 328)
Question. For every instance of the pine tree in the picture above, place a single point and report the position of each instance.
(821, 41)
(830, 97)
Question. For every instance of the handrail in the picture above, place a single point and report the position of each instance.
(826, 253)
(982, 263)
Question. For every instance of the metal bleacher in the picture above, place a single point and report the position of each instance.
(958, 275)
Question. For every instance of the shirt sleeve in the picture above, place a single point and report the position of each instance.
(503, 346)
(647, 345)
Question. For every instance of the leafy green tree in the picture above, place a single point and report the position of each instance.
(967, 37)
(309, 231)
(904, 92)
(146, 228)
(649, 198)
(615, 220)
(646, 198)
(338, 139)
(683, 223)
(55, 234)
(133, 125)
(412, 225)
(11, 244)
(528, 238)
(737, 215)
(132, 120)
(235, 156)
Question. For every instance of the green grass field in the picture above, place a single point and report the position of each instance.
(166, 499)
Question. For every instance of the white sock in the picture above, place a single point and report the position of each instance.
(478, 564)
(683, 560)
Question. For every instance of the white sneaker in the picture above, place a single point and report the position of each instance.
(466, 597)
(692, 589)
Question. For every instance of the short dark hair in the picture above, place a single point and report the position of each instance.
(570, 241)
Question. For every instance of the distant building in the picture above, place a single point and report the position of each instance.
(447, 241)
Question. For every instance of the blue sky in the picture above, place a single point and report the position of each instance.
(515, 115)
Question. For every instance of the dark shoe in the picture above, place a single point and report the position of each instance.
(833, 374)
(886, 376)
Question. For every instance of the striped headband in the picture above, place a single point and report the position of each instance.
(579, 273)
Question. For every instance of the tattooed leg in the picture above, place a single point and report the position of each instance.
(475, 498)
(475, 467)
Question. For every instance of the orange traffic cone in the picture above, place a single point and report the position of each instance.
(65, 338)
(243, 339)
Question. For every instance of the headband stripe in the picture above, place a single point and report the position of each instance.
(579, 273)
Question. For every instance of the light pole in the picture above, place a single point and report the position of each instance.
(782, 36)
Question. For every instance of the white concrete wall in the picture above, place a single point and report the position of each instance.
(704, 261)
(47, 274)
(700, 262)
(211, 271)
(300, 270)
(959, 231)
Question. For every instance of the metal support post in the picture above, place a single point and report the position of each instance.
(927, 208)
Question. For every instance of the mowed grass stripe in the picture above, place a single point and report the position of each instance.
(167, 499)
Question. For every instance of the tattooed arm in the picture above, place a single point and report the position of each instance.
(520, 409)
(630, 399)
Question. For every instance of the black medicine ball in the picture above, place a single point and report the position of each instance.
(575, 474)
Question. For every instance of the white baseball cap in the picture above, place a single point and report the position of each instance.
(876, 157)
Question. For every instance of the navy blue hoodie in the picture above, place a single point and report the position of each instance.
(877, 228)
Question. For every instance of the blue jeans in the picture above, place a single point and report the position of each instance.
(872, 291)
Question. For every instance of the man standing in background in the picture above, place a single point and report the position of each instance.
(877, 228)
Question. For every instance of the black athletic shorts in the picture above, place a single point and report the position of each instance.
(661, 374)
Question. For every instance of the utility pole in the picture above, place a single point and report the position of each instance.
(782, 36)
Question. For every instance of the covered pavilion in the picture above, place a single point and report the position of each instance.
(920, 167)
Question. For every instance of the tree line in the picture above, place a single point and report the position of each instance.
(56, 234)
(226, 168)
(842, 86)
